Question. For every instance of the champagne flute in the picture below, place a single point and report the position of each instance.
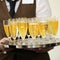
(33, 30)
(19, 41)
(43, 29)
(14, 30)
(10, 29)
(52, 28)
(22, 29)
(6, 29)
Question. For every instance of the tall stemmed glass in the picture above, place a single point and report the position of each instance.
(10, 29)
(33, 31)
(14, 30)
(43, 29)
(18, 26)
(6, 29)
(22, 29)
(52, 27)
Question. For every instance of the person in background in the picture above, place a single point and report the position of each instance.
(23, 8)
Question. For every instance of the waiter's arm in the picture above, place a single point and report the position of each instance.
(43, 8)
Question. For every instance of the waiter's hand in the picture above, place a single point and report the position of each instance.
(4, 41)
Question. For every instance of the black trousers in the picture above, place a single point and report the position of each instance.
(8, 56)
(21, 54)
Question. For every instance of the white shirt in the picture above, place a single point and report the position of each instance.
(42, 8)
(54, 53)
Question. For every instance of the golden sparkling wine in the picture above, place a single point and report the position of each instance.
(22, 28)
(10, 27)
(39, 29)
(39, 33)
(42, 29)
(6, 29)
(53, 26)
(33, 30)
(13, 29)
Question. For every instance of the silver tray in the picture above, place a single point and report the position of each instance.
(36, 43)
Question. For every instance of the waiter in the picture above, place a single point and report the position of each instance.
(23, 8)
